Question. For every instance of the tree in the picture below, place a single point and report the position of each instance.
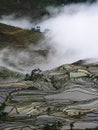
(27, 77)
(71, 125)
(48, 110)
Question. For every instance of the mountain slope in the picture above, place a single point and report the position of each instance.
(21, 49)
(34, 9)
(14, 36)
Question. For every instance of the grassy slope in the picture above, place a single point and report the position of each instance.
(17, 37)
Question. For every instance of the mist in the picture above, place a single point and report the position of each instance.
(72, 33)
(18, 22)
(23, 61)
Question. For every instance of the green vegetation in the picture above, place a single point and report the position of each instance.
(6, 73)
(48, 82)
(54, 126)
(92, 128)
(34, 9)
(35, 75)
(88, 129)
(2, 113)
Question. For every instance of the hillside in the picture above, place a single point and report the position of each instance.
(34, 9)
(33, 98)
(17, 37)
(66, 94)
(32, 95)
(21, 49)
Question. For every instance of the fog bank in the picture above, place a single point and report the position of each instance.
(72, 33)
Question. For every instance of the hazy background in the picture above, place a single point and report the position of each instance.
(72, 33)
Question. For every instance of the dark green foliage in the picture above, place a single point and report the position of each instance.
(33, 8)
(35, 75)
(77, 1)
(47, 127)
(3, 114)
(92, 128)
(48, 110)
(44, 12)
(27, 77)
(59, 124)
(6, 73)
(71, 125)
(56, 82)
(54, 126)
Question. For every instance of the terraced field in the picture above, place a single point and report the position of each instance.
(31, 98)
(66, 94)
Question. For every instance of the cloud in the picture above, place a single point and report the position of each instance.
(72, 35)
(18, 22)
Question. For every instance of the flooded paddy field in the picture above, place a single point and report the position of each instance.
(66, 94)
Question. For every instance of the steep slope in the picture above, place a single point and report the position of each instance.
(17, 37)
(21, 49)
